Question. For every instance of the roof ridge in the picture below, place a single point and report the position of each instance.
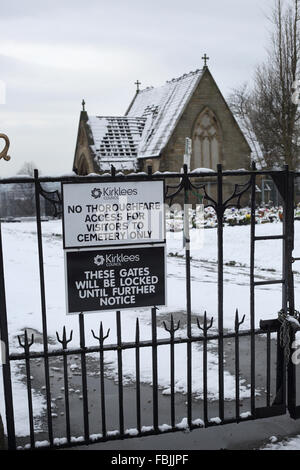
(173, 80)
(185, 75)
(116, 117)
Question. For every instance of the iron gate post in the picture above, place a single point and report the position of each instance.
(6, 371)
(9, 411)
(290, 294)
(187, 245)
(220, 219)
(43, 303)
(285, 186)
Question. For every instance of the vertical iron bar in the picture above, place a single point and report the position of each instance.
(84, 379)
(102, 388)
(172, 364)
(205, 388)
(29, 392)
(220, 214)
(137, 376)
(291, 368)
(285, 234)
(268, 368)
(154, 369)
(67, 404)
(43, 305)
(120, 373)
(252, 288)
(237, 373)
(281, 366)
(188, 293)
(6, 370)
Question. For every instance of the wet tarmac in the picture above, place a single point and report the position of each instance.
(245, 435)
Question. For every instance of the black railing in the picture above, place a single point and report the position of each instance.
(187, 185)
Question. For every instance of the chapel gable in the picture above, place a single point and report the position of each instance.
(155, 127)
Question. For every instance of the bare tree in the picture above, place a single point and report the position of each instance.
(265, 109)
(27, 169)
(23, 193)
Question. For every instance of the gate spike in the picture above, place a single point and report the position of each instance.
(137, 331)
(237, 322)
(64, 334)
(26, 345)
(205, 328)
(64, 341)
(26, 339)
(172, 328)
(101, 338)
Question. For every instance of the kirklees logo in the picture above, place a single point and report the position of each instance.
(115, 260)
(112, 193)
(96, 193)
(99, 260)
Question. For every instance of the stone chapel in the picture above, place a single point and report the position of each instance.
(155, 126)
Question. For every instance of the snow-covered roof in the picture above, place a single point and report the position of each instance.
(116, 140)
(256, 152)
(162, 107)
(148, 125)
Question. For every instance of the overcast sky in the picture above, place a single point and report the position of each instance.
(54, 53)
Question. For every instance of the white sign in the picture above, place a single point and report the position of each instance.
(120, 213)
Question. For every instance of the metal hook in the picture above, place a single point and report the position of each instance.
(3, 153)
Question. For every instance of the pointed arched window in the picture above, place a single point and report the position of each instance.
(83, 167)
(206, 141)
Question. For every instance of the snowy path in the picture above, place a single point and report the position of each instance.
(23, 300)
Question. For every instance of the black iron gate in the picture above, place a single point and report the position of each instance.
(211, 189)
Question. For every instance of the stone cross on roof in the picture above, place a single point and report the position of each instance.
(205, 58)
(83, 105)
(137, 83)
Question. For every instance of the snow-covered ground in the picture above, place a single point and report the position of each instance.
(24, 311)
(286, 444)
